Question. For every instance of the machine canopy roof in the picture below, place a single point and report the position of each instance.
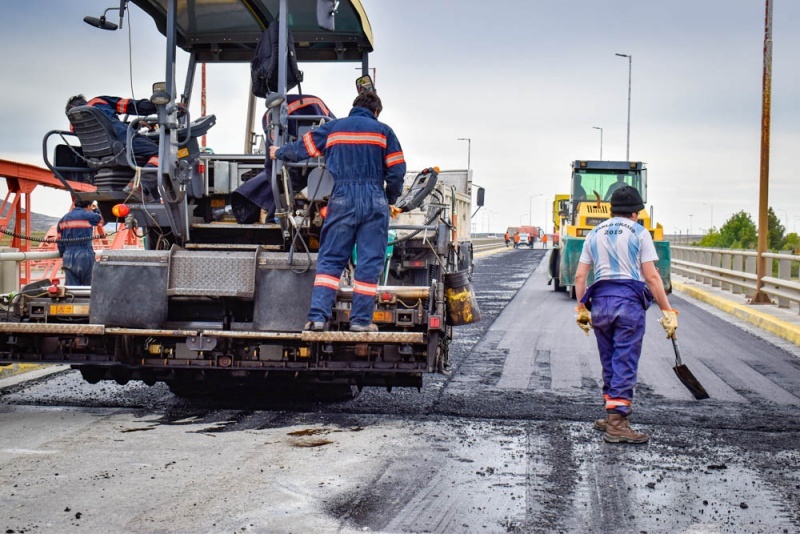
(228, 30)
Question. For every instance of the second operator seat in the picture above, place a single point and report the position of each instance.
(101, 148)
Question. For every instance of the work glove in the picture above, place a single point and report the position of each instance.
(394, 211)
(584, 319)
(669, 322)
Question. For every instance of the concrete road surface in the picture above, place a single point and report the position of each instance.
(503, 444)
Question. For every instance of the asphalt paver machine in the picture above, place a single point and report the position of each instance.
(210, 303)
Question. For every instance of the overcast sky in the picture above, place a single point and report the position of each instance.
(525, 80)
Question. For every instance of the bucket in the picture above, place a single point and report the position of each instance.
(462, 306)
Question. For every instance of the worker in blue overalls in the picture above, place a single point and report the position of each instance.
(75, 230)
(625, 283)
(361, 154)
(145, 151)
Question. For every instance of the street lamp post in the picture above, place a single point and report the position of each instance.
(601, 140)
(469, 150)
(530, 208)
(630, 62)
(690, 223)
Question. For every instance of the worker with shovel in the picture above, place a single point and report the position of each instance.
(626, 282)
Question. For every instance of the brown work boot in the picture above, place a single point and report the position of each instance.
(601, 424)
(619, 430)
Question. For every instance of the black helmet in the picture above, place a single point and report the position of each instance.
(626, 199)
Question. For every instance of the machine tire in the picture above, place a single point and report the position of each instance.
(188, 389)
(335, 392)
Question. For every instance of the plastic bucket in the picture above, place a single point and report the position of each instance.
(462, 306)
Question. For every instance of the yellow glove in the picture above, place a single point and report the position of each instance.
(394, 211)
(669, 321)
(584, 319)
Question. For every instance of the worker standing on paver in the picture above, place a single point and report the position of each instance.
(75, 230)
(626, 282)
(361, 154)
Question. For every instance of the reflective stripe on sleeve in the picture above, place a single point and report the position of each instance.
(394, 158)
(122, 105)
(311, 148)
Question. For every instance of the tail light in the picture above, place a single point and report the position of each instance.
(434, 322)
(120, 210)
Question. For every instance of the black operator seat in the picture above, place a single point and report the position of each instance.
(101, 148)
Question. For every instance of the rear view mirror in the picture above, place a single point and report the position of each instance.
(364, 84)
(481, 196)
(326, 14)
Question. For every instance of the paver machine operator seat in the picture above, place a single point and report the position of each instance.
(101, 148)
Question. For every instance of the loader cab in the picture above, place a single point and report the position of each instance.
(596, 181)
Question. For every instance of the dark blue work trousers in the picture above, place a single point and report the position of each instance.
(78, 263)
(619, 325)
(358, 214)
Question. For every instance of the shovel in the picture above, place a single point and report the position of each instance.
(685, 375)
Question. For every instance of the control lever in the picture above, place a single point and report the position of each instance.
(421, 187)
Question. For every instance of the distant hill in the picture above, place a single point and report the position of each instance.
(39, 222)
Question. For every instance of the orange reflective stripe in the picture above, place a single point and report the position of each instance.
(614, 403)
(311, 148)
(95, 101)
(394, 158)
(325, 280)
(153, 161)
(357, 138)
(304, 101)
(74, 224)
(363, 288)
(122, 105)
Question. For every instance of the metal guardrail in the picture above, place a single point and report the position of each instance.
(487, 243)
(735, 271)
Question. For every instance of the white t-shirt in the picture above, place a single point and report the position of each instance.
(617, 248)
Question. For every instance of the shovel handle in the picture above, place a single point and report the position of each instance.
(677, 350)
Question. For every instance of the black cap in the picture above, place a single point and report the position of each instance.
(626, 199)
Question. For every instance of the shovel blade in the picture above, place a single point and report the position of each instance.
(692, 384)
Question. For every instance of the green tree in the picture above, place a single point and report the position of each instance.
(711, 239)
(792, 241)
(775, 231)
(738, 232)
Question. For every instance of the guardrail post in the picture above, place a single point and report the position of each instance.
(750, 267)
(693, 259)
(738, 266)
(9, 273)
(784, 273)
(716, 262)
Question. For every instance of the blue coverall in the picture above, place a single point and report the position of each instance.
(75, 231)
(361, 153)
(144, 150)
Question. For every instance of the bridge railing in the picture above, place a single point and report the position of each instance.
(735, 271)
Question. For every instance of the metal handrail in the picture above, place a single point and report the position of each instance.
(735, 270)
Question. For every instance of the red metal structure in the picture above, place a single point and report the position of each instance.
(22, 179)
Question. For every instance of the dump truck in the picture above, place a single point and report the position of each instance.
(587, 205)
(211, 303)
